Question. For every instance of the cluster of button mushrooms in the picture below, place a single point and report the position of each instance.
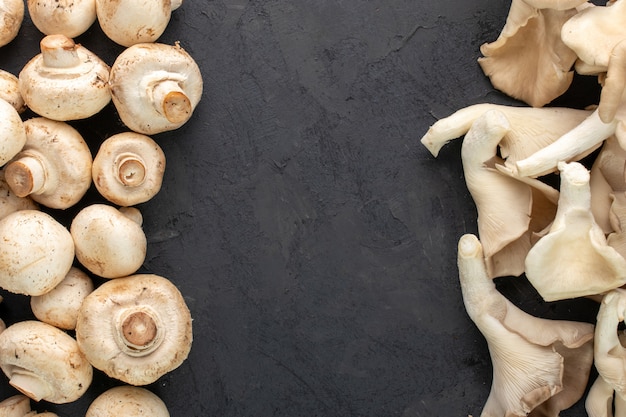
(134, 327)
(569, 239)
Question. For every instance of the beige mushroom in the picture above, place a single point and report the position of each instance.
(540, 366)
(9, 202)
(70, 18)
(65, 81)
(135, 329)
(36, 252)
(11, 17)
(53, 167)
(155, 87)
(128, 401)
(19, 406)
(129, 22)
(108, 243)
(128, 168)
(12, 132)
(607, 176)
(10, 91)
(43, 362)
(59, 306)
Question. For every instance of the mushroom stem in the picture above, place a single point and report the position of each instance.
(30, 384)
(26, 175)
(171, 101)
(59, 51)
(139, 331)
(131, 169)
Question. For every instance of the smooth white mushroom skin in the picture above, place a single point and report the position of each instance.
(9, 202)
(65, 81)
(64, 17)
(128, 401)
(12, 132)
(10, 91)
(15, 406)
(36, 252)
(43, 362)
(11, 17)
(135, 329)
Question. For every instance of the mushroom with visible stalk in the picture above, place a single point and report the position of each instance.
(135, 329)
(19, 406)
(573, 259)
(65, 81)
(11, 18)
(36, 252)
(128, 168)
(10, 91)
(70, 18)
(12, 132)
(53, 167)
(540, 366)
(9, 202)
(109, 243)
(129, 22)
(155, 87)
(59, 306)
(129, 401)
(43, 362)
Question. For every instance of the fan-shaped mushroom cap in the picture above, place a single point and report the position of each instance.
(65, 81)
(155, 87)
(608, 176)
(44, 362)
(135, 328)
(11, 17)
(128, 168)
(36, 252)
(65, 17)
(10, 91)
(12, 132)
(128, 401)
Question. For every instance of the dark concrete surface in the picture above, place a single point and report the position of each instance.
(311, 234)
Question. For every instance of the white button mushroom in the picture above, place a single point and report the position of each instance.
(135, 329)
(65, 81)
(43, 362)
(12, 132)
(155, 87)
(108, 243)
(10, 91)
(9, 202)
(54, 166)
(128, 401)
(11, 17)
(15, 406)
(59, 306)
(128, 168)
(65, 17)
(36, 252)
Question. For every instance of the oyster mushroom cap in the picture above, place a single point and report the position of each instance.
(129, 401)
(43, 362)
(36, 252)
(12, 132)
(10, 91)
(108, 243)
(135, 328)
(11, 17)
(65, 17)
(155, 87)
(128, 168)
(65, 81)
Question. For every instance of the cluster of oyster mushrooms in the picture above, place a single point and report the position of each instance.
(134, 327)
(570, 239)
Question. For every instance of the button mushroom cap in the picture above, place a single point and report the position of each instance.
(155, 87)
(11, 17)
(43, 362)
(10, 91)
(53, 167)
(59, 306)
(15, 406)
(128, 168)
(65, 81)
(65, 17)
(128, 401)
(135, 329)
(36, 252)
(12, 132)
(108, 243)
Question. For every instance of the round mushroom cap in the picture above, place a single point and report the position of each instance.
(66, 17)
(128, 401)
(12, 132)
(108, 243)
(135, 329)
(9, 91)
(11, 17)
(36, 252)
(16, 405)
(43, 362)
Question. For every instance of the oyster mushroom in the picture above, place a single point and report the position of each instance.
(43, 362)
(10, 91)
(135, 329)
(12, 132)
(70, 18)
(108, 242)
(573, 259)
(128, 401)
(53, 167)
(155, 87)
(36, 252)
(65, 81)
(608, 176)
(539, 365)
(128, 168)
(11, 17)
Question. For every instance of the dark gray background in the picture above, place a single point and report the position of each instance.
(312, 235)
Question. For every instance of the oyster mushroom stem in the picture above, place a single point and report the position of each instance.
(612, 94)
